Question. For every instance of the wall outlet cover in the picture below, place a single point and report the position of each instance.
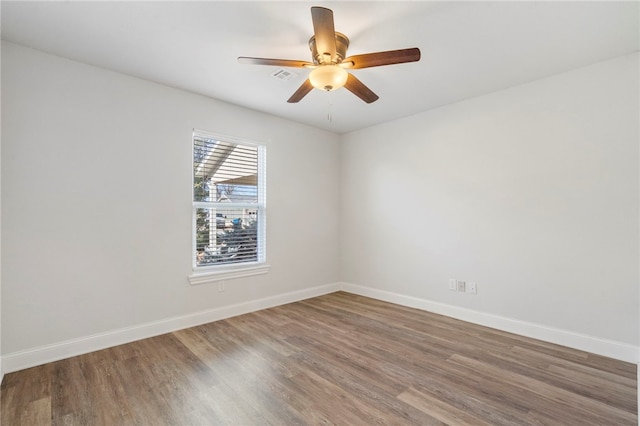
(471, 287)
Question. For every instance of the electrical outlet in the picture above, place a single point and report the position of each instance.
(453, 286)
(220, 286)
(471, 288)
(461, 286)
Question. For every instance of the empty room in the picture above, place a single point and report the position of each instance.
(351, 213)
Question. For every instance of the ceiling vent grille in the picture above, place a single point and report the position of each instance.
(283, 75)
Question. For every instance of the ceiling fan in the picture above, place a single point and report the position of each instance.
(330, 64)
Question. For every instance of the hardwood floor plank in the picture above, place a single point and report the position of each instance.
(560, 396)
(34, 384)
(334, 359)
(439, 409)
(37, 412)
(219, 347)
(624, 379)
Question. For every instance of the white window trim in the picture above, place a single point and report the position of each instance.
(225, 273)
(216, 273)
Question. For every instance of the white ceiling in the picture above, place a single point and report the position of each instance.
(468, 48)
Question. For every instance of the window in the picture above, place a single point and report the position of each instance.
(228, 203)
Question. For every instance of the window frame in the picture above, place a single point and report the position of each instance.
(203, 274)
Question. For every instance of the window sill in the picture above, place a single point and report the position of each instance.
(206, 277)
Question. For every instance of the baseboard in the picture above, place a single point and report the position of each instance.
(41, 355)
(608, 348)
(49, 353)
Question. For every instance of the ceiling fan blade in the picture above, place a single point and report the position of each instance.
(356, 87)
(324, 31)
(277, 62)
(389, 57)
(301, 92)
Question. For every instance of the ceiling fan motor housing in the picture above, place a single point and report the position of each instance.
(320, 58)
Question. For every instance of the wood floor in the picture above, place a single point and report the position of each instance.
(336, 359)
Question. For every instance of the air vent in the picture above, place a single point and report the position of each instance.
(283, 75)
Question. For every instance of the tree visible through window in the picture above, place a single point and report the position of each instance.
(228, 201)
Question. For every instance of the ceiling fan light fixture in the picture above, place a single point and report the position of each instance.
(328, 77)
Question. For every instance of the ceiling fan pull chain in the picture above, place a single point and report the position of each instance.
(330, 114)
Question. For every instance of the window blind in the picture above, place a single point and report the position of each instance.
(229, 202)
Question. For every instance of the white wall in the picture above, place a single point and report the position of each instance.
(1, 367)
(532, 192)
(96, 221)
